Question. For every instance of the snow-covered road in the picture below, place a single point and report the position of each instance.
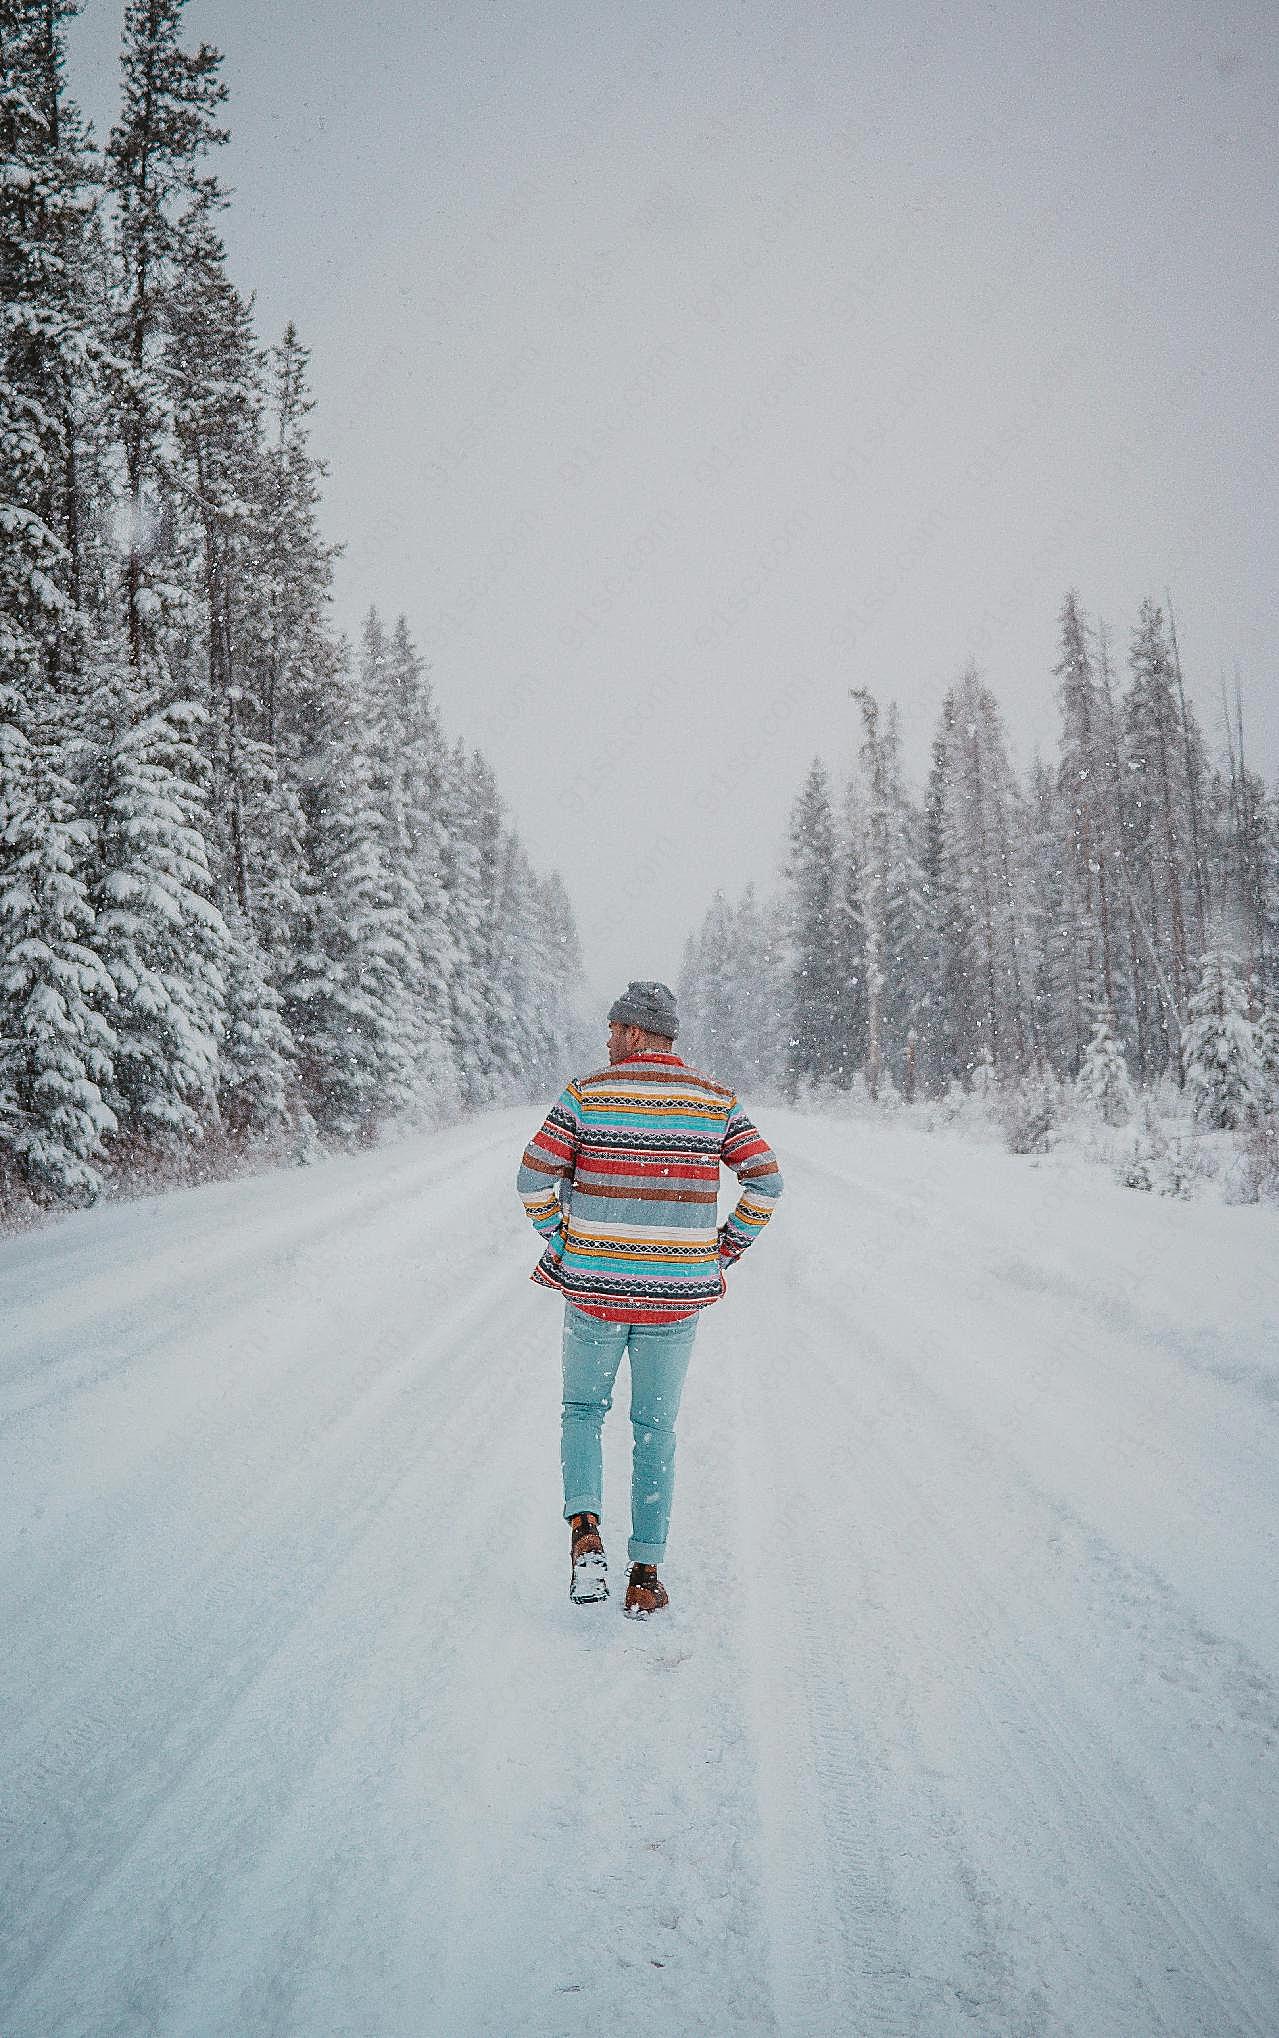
(965, 1717)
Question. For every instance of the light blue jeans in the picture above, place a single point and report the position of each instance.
(592, 1353)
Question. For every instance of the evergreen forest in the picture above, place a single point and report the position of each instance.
(250, 889)
(1109, 921)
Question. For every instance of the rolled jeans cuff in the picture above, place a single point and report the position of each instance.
(645, 1553)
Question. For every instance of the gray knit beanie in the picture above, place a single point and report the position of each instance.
(649, 1005)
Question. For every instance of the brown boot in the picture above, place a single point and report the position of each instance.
(588, 1579)
(645, 1594)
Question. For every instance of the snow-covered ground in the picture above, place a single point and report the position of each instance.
(965, 1717)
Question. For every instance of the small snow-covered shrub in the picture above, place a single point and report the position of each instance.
(1142, 1159)
(306, 1141)
(983, 1084)
(1029, 1114)
(1179, 1170)
(1137, 1164)
(950, 1108)
(1253, 1174)
(1103, 1083)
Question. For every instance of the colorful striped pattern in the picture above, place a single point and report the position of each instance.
(622, 1181)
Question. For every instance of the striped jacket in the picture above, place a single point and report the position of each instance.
(622, 1181)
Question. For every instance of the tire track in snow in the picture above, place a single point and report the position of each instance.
(846, 1940)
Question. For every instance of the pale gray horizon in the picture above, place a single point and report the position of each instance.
(678, 373)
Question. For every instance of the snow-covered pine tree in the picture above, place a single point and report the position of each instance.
(256, 1054)
(948, 935)
(1223, 1068)
(874, 868)
(1268, 971)
(1156, 828)
(849, 933)
(762, 999)
(1194, 769)
(354, 999)
(50, 346)
(55, 1043)
(717, 1009)
(158, 931)
(813, 1041)
(56, 1046)
(735, 990)
(1057, 989)
(1103, 1083)
(156, 159)
(216, 381)
(552, 1037)
(1135, 1014)
(528, 966)
(496, 901)
(905, 902)
(415, 765)
(466, 921)
(295, 665)
(1267, 1032)
(294, 647)
(981, 838)
(1245, 821)
(894, 912)
(1087, 819)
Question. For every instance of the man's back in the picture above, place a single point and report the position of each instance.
(622, 1179)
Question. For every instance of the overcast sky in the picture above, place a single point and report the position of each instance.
(680, 367)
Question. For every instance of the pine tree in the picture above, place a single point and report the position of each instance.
(762, 998)
(1103, 1083)
(1268, 1055)
(485, 817)
(49, 350)
(294, 647)
(848, 934)
(55, 1043)
(466, 922)
(893, 895)
(1156, 826)
(354, 997)
(1246, 889)
(813, 1044)
(874, 863)
(414, 763)
(156, 160)
(1057, 987)
(56, 1050)
(1086, 816)
(158, 931)
(218, 397)
(256, 1052)
(296, 672)
(979, 838)
(1223, 1068)
(949, 943)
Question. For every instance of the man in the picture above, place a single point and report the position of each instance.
(622, 1181)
